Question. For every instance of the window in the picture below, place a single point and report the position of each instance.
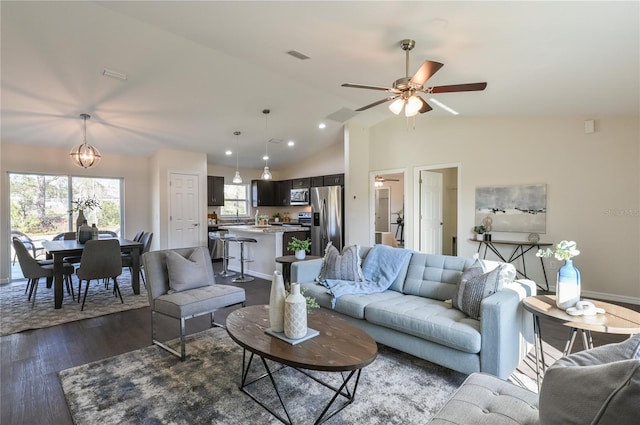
(236, 200)
(40, 204)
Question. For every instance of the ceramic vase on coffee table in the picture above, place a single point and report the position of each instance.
(276, 303)
(295, 314)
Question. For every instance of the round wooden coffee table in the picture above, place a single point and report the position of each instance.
(340, 347)
(615, 320)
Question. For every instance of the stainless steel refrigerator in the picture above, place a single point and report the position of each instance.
(327, 220)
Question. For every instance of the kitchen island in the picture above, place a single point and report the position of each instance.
(271, 243)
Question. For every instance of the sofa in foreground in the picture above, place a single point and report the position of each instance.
(415, 313)
(598, 386)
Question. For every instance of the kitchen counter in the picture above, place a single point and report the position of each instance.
(271, 243)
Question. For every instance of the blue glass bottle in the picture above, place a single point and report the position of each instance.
(567, 286)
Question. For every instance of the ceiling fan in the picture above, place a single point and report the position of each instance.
(383, 179)
(405, 90)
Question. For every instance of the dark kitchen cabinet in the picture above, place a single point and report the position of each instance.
(263, 193)
(283, 193)
(215, 191)
(301, 183)
(317, 181)
(334, 180)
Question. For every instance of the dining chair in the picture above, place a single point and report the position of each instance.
(138, 235)
(127, 259)
(68, 236)
(29, 243)
(100, 260)
(33, 271)
(108, 232)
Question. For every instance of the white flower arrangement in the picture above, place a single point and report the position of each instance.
(88, 203)
(563, 251)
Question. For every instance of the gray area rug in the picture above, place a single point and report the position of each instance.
(150, 386)
(16, 314)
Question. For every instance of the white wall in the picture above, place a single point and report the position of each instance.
(25, 159)
(593, 183)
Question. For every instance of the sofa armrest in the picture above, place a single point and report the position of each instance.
(506, 329)
(305, 271)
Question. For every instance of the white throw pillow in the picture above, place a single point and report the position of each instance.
(187, 273)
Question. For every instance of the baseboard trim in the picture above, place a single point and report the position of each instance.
(607, 297)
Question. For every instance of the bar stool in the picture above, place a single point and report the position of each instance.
(225, 255)
(242, 278)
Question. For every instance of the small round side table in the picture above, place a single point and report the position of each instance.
(286, 262)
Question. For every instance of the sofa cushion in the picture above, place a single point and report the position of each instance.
(341, 266)
(434, 276)
(429, 319)
(351, 305)
(187, 273)
(472, 290)
(597, 386)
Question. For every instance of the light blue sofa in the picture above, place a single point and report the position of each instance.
(415, 315)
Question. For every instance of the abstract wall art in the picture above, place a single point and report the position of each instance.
(517, 208)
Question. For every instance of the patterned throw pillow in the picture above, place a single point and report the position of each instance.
(474, 288)
(342, 266)
(187, 273)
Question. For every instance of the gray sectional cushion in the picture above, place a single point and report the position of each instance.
(597, 386)
(187, 273)
(428, 319)
(486, 400)
(343, 265)
(472, 290)
(434, 276)
(199, 300)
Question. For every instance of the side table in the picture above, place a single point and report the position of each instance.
(286, 262)
(615, 320)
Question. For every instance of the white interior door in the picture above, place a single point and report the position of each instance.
(183, 212)
(431, 212)
(382, 209)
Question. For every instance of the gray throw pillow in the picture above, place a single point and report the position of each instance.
(342, 266)
(598, 386)
(475, 286)
(187, 273)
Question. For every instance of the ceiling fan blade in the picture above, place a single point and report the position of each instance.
(425, 106)
(425, 72)
(457, 88)
(360, 86)
(371, 105)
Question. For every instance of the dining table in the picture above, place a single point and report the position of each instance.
(60, 249)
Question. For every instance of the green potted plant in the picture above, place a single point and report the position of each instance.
(276, 217)
(300, 247)
(479, 231)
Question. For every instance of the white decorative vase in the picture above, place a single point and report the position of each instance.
(276, 303)
(295, 314)
(300, 254)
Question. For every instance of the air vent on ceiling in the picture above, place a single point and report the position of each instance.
(114, 74)
(298, 55)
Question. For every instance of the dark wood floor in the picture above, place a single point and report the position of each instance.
(30, 392)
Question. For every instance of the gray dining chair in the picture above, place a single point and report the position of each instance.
(33, 271)
(100, 260)
(29, 243)
(127, 259)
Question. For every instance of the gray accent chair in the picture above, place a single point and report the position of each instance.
(185, 304)
(598, 386)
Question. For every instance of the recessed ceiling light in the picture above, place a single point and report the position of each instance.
(228, 152)
(291, 143)
(321, 125)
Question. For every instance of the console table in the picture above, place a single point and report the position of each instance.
(519, 250)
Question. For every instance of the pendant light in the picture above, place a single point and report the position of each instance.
(266, 173)
(84, 155)
(237, 179)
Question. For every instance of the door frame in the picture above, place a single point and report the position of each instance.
(416, 197)
(372, 198)
(199, 198)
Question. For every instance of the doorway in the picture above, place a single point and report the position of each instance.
(184, 210)
(387, 198)
(383, 209)
(437, 205)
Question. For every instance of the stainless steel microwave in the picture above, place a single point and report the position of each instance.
(299, 196)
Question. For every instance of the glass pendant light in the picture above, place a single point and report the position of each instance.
(237, 179)
(266, 173)
(84, 155)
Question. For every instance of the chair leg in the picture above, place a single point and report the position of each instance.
(34, 287)
(80, 288)
(116, 288)
(86, 289)
(183, 354)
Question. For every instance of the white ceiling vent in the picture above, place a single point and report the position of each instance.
(298, 55)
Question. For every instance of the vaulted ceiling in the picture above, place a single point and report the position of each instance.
(198, 71)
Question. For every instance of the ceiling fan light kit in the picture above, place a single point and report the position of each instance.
(404, 91)
(84, 155)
